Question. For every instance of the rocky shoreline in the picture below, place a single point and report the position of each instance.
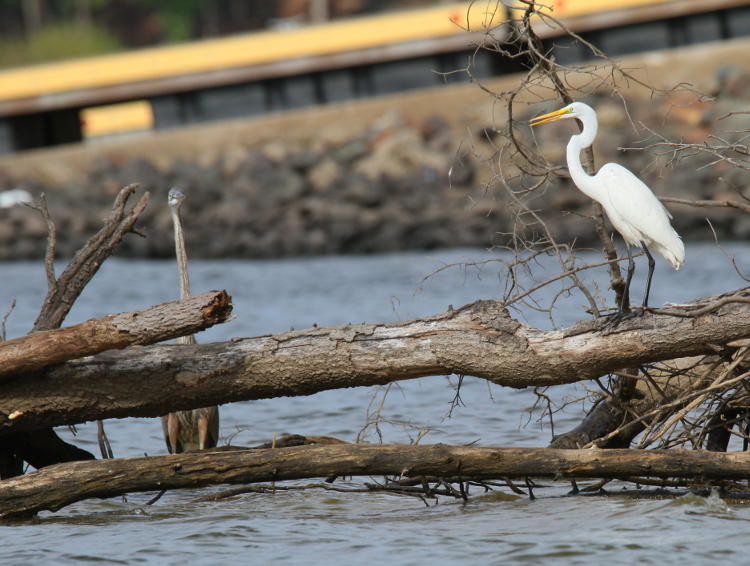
(397, 181)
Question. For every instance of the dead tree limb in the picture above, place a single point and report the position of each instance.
(65, 290)
(480, 339)
(57, 486)
(115, 331)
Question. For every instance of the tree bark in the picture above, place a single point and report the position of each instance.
(115, 331)
(479, 339)
(56, 486)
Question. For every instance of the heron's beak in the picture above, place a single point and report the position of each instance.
(550, 117)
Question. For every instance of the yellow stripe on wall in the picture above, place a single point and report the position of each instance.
(270, 46)
(241, 50)
(114, 118)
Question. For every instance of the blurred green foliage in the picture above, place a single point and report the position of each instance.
(57, 41)
(177, 15)
(34, 31)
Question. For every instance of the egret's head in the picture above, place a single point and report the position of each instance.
(175, 197)
(575, 110)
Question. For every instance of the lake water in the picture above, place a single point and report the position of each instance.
(317, 527)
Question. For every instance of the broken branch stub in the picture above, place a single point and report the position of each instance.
(115, 331)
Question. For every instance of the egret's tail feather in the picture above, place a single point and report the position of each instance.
(673, 251)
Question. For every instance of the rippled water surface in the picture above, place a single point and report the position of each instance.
(316, 527)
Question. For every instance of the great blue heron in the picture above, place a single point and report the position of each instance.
(633, 209)
(198, 428)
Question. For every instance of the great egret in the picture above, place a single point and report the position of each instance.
(199, 428)
(633, 209)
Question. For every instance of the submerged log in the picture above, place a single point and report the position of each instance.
(479, 339)
(148, 326)
(57, 486)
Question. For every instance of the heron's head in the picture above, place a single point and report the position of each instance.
(575, 110)
(175, 197)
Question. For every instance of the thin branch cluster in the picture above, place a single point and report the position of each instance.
(664, 405)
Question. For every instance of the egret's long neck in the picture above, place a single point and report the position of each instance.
(578, 143)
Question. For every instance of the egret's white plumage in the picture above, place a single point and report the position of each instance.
(633, 209)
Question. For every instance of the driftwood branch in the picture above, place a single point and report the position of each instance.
(51, 251)
(148, 326)
(86, 262)
(57, 486)
(480, 339)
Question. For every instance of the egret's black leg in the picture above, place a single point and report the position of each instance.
(651, 264)
(624, 312)
(625, 299)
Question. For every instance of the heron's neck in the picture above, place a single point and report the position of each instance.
(576, 145)
(181, 253)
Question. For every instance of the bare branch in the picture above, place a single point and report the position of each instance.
(87, 261)
(5, 319)
(49, 256)
(708, 203)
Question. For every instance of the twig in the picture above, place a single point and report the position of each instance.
(5, 319)
(708, 203)
(156, 497)
(49, 257)
(703, 310)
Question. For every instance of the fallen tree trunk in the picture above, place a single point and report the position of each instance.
(148, 326)
(57, 486)
(479, 339)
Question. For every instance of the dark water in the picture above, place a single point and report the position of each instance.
(311, 527)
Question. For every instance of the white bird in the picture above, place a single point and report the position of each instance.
(633, 209)
(14, 196)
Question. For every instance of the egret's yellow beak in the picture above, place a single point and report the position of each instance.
(550, 117)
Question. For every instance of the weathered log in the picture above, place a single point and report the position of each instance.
(115, 331)
(56, 486)
(479, 339)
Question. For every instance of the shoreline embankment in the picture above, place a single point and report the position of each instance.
(417, 170)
